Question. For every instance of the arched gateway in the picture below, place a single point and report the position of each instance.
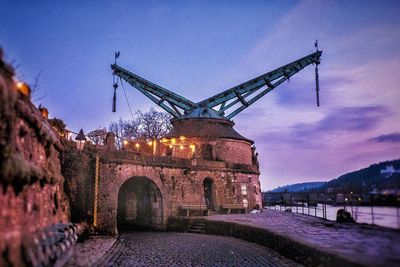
(140, 204)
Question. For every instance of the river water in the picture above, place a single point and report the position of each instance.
(383, 216)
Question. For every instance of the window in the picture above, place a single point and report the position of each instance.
(245, 203)
(255, 189)
(243, 188)
(207, 151)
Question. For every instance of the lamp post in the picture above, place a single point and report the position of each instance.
(80, 140)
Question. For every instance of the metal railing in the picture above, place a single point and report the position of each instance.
(318, 210)
(369, 207)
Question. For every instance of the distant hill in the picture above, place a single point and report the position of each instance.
(380, 176)
(300, 187)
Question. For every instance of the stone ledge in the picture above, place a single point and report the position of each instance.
(124, 157)
(294, 250)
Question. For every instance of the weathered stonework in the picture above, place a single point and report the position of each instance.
(31, 184)
(179, 181)
(201, 166)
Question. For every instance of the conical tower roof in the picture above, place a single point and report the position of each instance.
(81, 136)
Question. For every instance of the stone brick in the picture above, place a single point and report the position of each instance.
(31, 184)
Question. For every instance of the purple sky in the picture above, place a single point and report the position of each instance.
(200, 48)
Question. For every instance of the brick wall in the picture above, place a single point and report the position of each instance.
(178, 186)
(180, 180)
(31, 185)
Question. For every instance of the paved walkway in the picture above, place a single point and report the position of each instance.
(364, 244)
(184, 249)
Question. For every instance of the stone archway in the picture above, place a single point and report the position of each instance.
(140, 205)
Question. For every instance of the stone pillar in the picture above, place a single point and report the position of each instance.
(110, 141)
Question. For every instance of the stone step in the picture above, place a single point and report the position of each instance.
(198, 223)
(193, 231)
(197, 226)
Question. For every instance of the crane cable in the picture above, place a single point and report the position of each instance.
(317, 82)
(317, 62)
(127, 101)
(114, 103)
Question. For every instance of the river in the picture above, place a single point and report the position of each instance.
(383, 216)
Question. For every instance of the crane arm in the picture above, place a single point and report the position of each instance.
(268, 81)
(166, 99)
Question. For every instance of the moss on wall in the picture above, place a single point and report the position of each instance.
(78, 168)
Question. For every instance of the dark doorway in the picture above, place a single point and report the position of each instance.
(169, 151)
(139, 205)
(208, 193)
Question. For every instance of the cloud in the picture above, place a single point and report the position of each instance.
(386, 138)
(349, 119)
(339, 122)
(358, 85)
(301, 92)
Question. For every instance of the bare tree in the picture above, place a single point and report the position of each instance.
(97, 136)
(35, 88)
(117, 127)
(153, 124)
(131, 130)
(148, 125)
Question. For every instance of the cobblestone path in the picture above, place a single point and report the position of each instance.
(184, 249)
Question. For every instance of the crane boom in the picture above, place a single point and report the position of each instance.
(156, 93)
(218, 105)
(269, 81)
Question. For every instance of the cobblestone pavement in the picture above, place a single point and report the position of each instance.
(90, 251)
(184, 249)
(365, 244)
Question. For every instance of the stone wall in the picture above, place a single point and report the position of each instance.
(222, 149)
(234, 151)
(78, 170)
(31, 184)
(178, 186)
(180, 181)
